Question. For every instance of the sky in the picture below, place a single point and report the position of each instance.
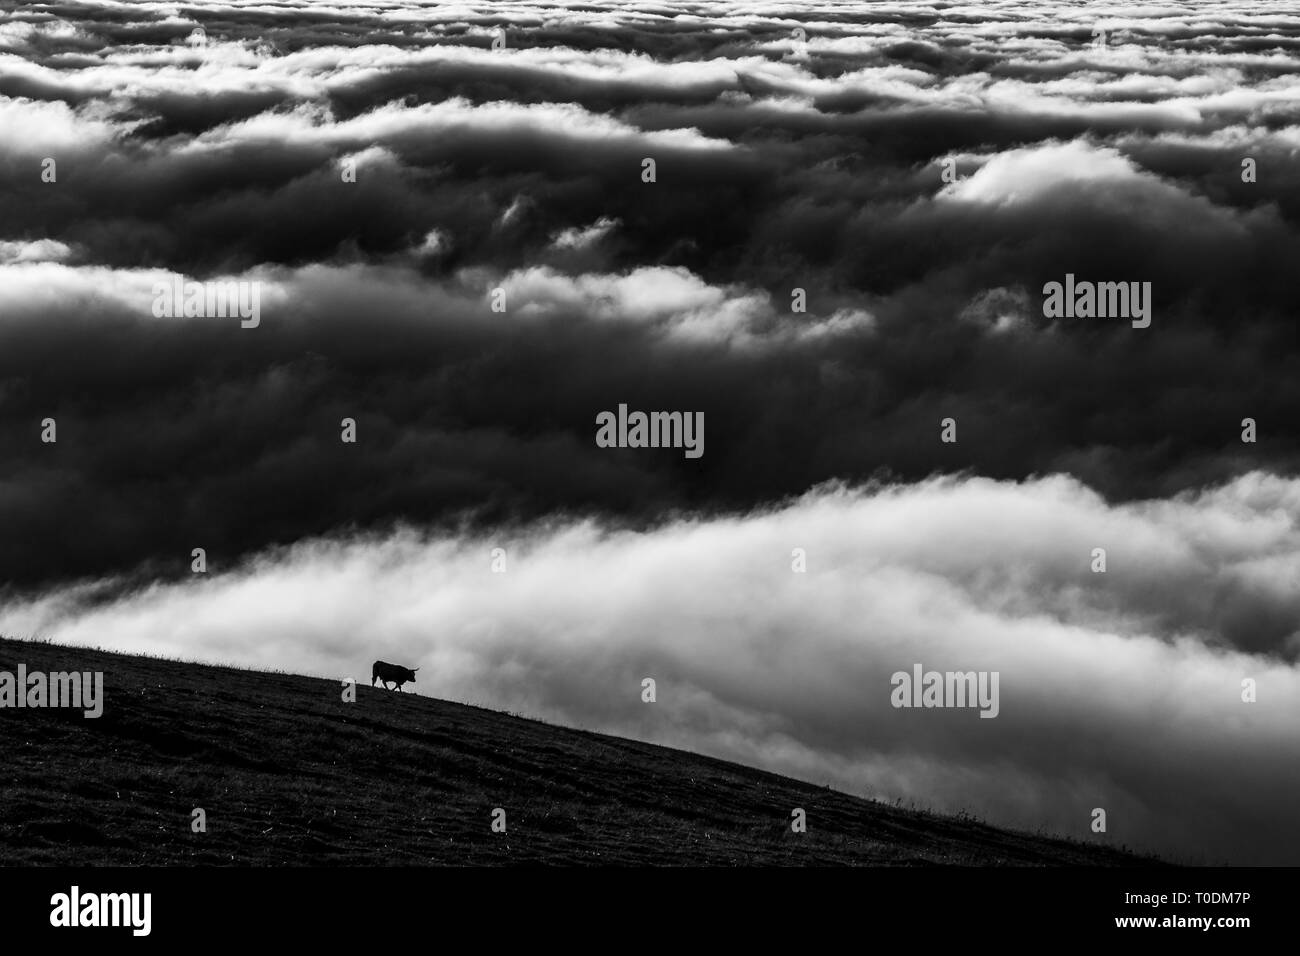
(914, 173)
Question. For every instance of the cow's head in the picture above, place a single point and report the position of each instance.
(411, 674)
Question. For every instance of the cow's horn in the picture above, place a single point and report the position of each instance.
(415, 670)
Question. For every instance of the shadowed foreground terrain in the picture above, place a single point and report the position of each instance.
(288, 773)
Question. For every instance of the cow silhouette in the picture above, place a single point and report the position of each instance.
(391, 674)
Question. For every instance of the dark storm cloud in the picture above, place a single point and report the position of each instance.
(782, 163)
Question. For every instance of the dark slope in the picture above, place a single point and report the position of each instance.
(288, 773)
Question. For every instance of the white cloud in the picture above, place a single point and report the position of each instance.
(39, 250)
(581, 238)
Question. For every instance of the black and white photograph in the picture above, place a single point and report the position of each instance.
(708, 437)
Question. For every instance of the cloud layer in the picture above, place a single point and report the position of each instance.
(795, 149)
(853, 213)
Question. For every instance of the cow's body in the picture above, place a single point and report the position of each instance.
(391, 674)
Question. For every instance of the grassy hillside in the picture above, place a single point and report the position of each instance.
(288, 773)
